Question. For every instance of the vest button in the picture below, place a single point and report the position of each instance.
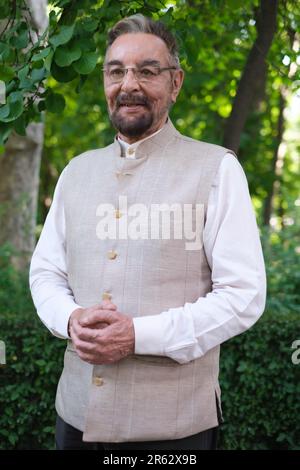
(118, 214)
(112, 254)
(98, 381)
(106, 296)
(131, 151)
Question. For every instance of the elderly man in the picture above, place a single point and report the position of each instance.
(145, 310)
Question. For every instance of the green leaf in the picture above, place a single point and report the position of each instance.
(6, 73)
(23, 72)
(26, 84)
(62, 3)
(4, 51)
(41, 362)
(5, 130)
(48, 61)
(15, 96)
(38, 75)
(11, 86)
(64, 35)
(20, 125)
(65, 55)
(21, 40)
(12, 438)
(86, 43)
(53, 17)
(41, 105)
(63, 74)
(38, 64)
(4, 12)
(4, 111)
(16, 107)
(68, 15)
(42, 54)
(55, 103)
(90, 24)
(86, 63)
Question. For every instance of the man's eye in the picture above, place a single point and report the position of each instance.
(147, 72)
(116, 72)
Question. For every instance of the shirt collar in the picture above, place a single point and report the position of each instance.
(129, 150)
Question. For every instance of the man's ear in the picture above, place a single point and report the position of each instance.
(177, 81)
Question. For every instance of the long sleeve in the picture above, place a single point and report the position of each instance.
(233, 250)
(48, 276)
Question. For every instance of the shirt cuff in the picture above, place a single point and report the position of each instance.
(61, 310)
(149, 335)
(63, 318)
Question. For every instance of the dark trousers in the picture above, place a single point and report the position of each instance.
(69, 438)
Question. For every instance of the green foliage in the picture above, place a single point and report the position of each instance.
(261, 386)
(260, 383)
(67, 50)
(63, 35)
(34, 361)
(215, 41)
(283, 274)
(64, 56)
(54, 102)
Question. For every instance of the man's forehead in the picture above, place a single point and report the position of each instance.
(137, 47)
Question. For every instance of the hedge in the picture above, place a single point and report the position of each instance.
(261, 386)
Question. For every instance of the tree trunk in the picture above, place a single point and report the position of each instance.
(252, 82)
(268, 204)
(19, 174)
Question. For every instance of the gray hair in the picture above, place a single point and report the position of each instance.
(142, 24)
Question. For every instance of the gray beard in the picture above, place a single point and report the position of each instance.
(133, 128)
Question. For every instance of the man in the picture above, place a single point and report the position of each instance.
(144, 309)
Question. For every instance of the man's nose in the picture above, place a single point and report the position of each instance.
(130, 83)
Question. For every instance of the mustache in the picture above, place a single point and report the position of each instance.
(128, 99)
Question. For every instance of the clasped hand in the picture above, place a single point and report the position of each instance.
(101, 334)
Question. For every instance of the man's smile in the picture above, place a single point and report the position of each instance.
(131, 107)
(131, 102)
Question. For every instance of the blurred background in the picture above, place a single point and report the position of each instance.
(242, 90)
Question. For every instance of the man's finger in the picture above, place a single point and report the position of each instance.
(98, 326)
(108, 305)
(83, 334)
(84, 346)
(107, 316)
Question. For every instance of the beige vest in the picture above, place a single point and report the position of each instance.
(141, 397)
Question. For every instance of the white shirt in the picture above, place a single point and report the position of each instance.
(233, 250)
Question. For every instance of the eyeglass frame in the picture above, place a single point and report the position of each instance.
(134, 69)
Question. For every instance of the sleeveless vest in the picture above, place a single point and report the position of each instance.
(140, 397)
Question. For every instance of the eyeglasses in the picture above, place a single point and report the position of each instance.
(116, 74)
